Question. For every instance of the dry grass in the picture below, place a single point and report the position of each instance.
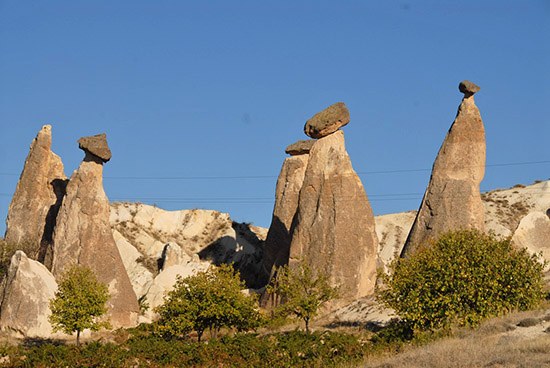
(489, 351)
(497, 343)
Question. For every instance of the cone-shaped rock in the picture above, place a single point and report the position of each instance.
(289, 183)
(333, 230)
(83, 236)
(25, 299)
(37, 198)
(452, 200)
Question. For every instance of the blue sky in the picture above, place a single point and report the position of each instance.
(199, 99)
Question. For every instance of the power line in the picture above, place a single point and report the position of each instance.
(236, 177)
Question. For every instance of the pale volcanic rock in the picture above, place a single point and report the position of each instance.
(452, 200)
(26, 293)
(140, 277)
(300, 147)
(533, 233)
(165, 280)
(287, 191)
(333, 230)
(83, 236)
(209, 235)
(33, 210)
(327, 121)
(173, 255)
(96, 145)
(504, 208)
(392, 230)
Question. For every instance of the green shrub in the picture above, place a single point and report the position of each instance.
(79, 302)
(462, 278)
(208, 300)
(302, 292)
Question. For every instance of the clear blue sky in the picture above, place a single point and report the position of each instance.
(219, 89)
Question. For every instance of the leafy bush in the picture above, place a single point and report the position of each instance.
(79, 302)
(212, 299)
(462, 278)
(301, 291)
(292, 349)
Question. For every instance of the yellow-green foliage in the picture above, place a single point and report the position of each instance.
(79, 302)
(301, 291)
(208, 300)
(462, 278)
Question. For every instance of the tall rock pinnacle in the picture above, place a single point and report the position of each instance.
(333, 230)
(83, 233)
(452, 200)
(34, 206)
(289, 183)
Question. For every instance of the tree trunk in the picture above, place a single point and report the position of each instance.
(306, 320)
(78, 338)
(199, 335)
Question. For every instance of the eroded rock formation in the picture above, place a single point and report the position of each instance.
(26, 293)
(287, 191)
(452, 200)
(38, 196)
(533, 233)
(83, 233)
(300, 147)
(327, 121)
(333, 230)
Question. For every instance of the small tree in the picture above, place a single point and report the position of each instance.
(208, 300)
(301, 291)
(79, 302)
(462, 278)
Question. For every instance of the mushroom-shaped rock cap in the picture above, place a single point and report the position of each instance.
(300, 147)
(327, 121)
(96, 145)
(468, 88)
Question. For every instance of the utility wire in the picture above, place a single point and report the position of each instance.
(233, 177)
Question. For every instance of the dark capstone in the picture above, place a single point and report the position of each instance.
(300, 147)
(96, 145)
(468, 88)
(327, 121)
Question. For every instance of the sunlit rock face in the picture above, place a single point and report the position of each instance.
(83, 234)
(452, 200)
(333, 230)
(38, 195)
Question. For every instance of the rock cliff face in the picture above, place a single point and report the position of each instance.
(38, 196)
(287, 191)
(533, 233)
(152, 240)
(333, 230)
(26, 293)
(452, 200)
(83, 236)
